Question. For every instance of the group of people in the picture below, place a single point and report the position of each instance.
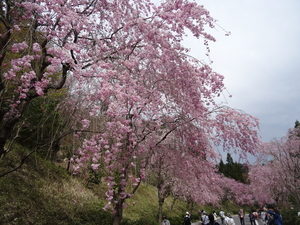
(226, 219)
(187, 219)
(269, 216)
(273, 216)
(211, 219)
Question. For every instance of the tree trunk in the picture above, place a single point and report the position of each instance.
(173, 203)
(55, 149)
(2, 144)
(119, 212)
(160, 206)
(192, 206)
(4, 131)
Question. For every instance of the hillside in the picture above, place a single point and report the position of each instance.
(43, 193)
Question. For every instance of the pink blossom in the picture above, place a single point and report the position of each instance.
(17, 27)
(39, 90)
(16, 47)
(85, 123)
(95, 166)
(36, 47)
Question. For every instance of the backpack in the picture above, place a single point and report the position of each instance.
(187, 220)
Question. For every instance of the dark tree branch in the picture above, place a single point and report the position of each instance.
(21, 164)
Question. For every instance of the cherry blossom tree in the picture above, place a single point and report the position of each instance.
(266, 184)
(127, 61)
(177, 169)
(277, 172)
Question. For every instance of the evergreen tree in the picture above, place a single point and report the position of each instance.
(232, 169)
(229, 159)
(221, 167)
(297, 123)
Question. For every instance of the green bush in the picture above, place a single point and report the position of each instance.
(176, 220)
(93, 216)
(144, 221)
(290, 217)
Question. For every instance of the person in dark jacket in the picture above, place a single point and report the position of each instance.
(212, 220)
(187, 219)
(241, 215)
(276, 218)
(252, 218)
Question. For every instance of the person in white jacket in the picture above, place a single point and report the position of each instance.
(215, 215)
(165, 221)
(229, 220)
(222, 216)
(205, 220)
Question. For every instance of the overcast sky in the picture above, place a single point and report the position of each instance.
(260, 59)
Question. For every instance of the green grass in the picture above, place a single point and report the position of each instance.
(42, 193)
(145, 209)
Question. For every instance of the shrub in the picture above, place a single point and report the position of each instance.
(290, 217)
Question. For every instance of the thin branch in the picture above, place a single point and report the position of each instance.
(22, 162)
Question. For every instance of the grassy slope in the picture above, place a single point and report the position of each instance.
(42, 193)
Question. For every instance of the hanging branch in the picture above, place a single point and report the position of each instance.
(22, 162)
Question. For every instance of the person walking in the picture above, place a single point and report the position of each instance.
(252, 218)
(229, 220)
(241, 215)
(222, 216)
(212, 220)
(255, 214)
(275, 215)
(187, 219)
(263, 216)
(165, 221)
(215, 215)
(205, 219)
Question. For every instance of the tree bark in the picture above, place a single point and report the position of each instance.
(14, 169)
(119, 212)
(160, 207)
(55, 149)
(2, 144)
